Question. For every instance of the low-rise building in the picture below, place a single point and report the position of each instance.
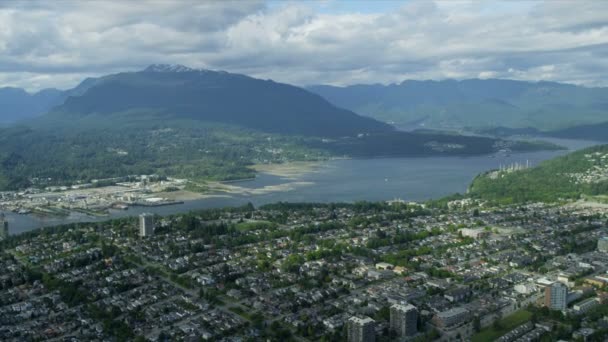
(586, 305)
(451, 318)
(479, 233)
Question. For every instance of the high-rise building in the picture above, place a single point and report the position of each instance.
(556, 296)
(602, 244)
(404, 320)
(3, 227)
(146, 224)
(361, 329)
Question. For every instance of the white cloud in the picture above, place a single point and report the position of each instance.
(44, 43)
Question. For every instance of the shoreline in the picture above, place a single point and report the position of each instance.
(238, 180)
(290, 170)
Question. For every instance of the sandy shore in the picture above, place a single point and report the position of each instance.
(181, 195)
(589, 205)
(234, 189)
(184, 195)
(290, 170)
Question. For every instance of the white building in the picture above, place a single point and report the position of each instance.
(525, 288)
(384, 266)
(479, 233)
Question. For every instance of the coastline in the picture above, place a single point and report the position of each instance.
(290, 170)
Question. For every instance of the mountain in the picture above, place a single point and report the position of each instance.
(581, 173)
(474, 103)
(17, 104)
(217, 96)
(504, 132)
(596, 132)
(593, 132)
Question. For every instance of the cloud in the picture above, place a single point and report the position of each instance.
(44, 43)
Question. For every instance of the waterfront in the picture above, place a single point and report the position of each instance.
(344, 180)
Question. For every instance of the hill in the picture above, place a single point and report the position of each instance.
(217, 96)
(593, 132)
(474, 103)
(583, 172)
(17, 104)
(596, 132)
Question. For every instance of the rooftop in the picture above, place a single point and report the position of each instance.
(359, 320)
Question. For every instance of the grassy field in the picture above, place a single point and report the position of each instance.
(255, 225)
(507, 324)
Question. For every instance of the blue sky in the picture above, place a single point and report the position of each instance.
(59, 43)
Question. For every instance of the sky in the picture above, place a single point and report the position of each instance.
(341, 42)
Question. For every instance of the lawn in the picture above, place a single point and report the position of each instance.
(255, 225)
(507, 324)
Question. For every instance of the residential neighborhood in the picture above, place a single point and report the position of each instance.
(333, 272)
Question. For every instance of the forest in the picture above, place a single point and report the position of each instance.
(64, 155)
(551, 181)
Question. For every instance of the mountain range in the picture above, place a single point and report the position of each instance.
(550, 108)
(17, 104)
(474, 103)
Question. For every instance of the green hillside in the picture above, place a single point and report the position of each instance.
(583, 172)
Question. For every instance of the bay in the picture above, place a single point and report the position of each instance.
(345, 180)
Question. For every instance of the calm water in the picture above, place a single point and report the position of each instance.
(341, 181)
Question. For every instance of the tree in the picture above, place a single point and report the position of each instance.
(497, 325)
(477, 324)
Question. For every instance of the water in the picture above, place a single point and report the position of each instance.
(348, 180)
